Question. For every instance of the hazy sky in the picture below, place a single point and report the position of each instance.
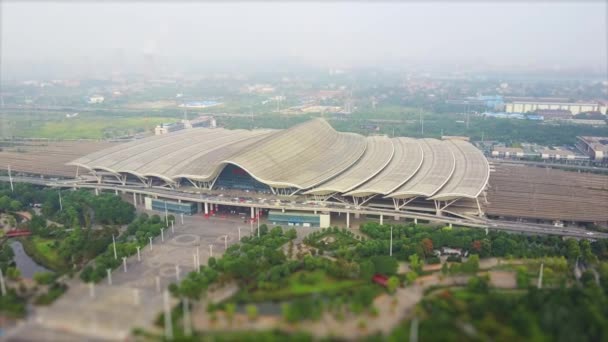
(58, 35)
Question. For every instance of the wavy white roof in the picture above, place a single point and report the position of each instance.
(379, 152)
(437, 168)
(311, 156)
(405, 163)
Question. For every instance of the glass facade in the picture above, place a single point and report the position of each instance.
(233, 177)
(294, 219)
(174, 207)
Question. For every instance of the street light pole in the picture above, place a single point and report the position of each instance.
(166, 215)
(114, 247)
(10, 178)
(391, 248)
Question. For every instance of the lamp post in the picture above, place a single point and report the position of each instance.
(114, 246)
(391, 247)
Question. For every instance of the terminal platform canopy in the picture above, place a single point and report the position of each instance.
(310, 158)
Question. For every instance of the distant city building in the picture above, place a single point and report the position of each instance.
(507, 152)
(502, 115)
(595, 147)
(495, 102)
(526, 106)
(588, 122)
(551, 114)
(200, 104)
(96, 99)
(557, 154)
(201, 121)
(165, 128)
(260, 88)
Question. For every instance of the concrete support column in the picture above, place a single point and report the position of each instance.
(450, 224)
(381, 220)
(282, 210)
(116, 192)
(135, 199)
(396, 218)
(252, 213)
(179, 200)
(347, 220)
(206, 208)
(315, 211)
(357, 215)
(415, 221)
(96, 192)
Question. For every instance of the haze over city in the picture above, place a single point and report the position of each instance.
(256, 171)
(62, 37)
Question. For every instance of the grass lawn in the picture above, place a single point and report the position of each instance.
(95, 128)
(321, 283)
(301, 284)
(41, 250)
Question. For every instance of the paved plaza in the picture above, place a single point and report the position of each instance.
(110, 312)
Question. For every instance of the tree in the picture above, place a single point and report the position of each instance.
(5, 203)
(366, 269)
(44, 278)
(444, 268)
(573, 250)
(427, 246)
(15, 205)
(230, 310)
(471, 265)
(586, 252)
(385, 264)
(476, 246)
(479, 284)
(522, 277)
(13, 273)
(415, 263)
(411, 277)
(392, 284)
(252, 312)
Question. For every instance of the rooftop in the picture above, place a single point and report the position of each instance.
(310, 157)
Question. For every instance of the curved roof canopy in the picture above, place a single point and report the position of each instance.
(437, 167)
(379, 152)
(405, 163)
(470, 175)
(310, 156)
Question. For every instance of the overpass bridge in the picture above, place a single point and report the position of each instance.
(206, 199)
